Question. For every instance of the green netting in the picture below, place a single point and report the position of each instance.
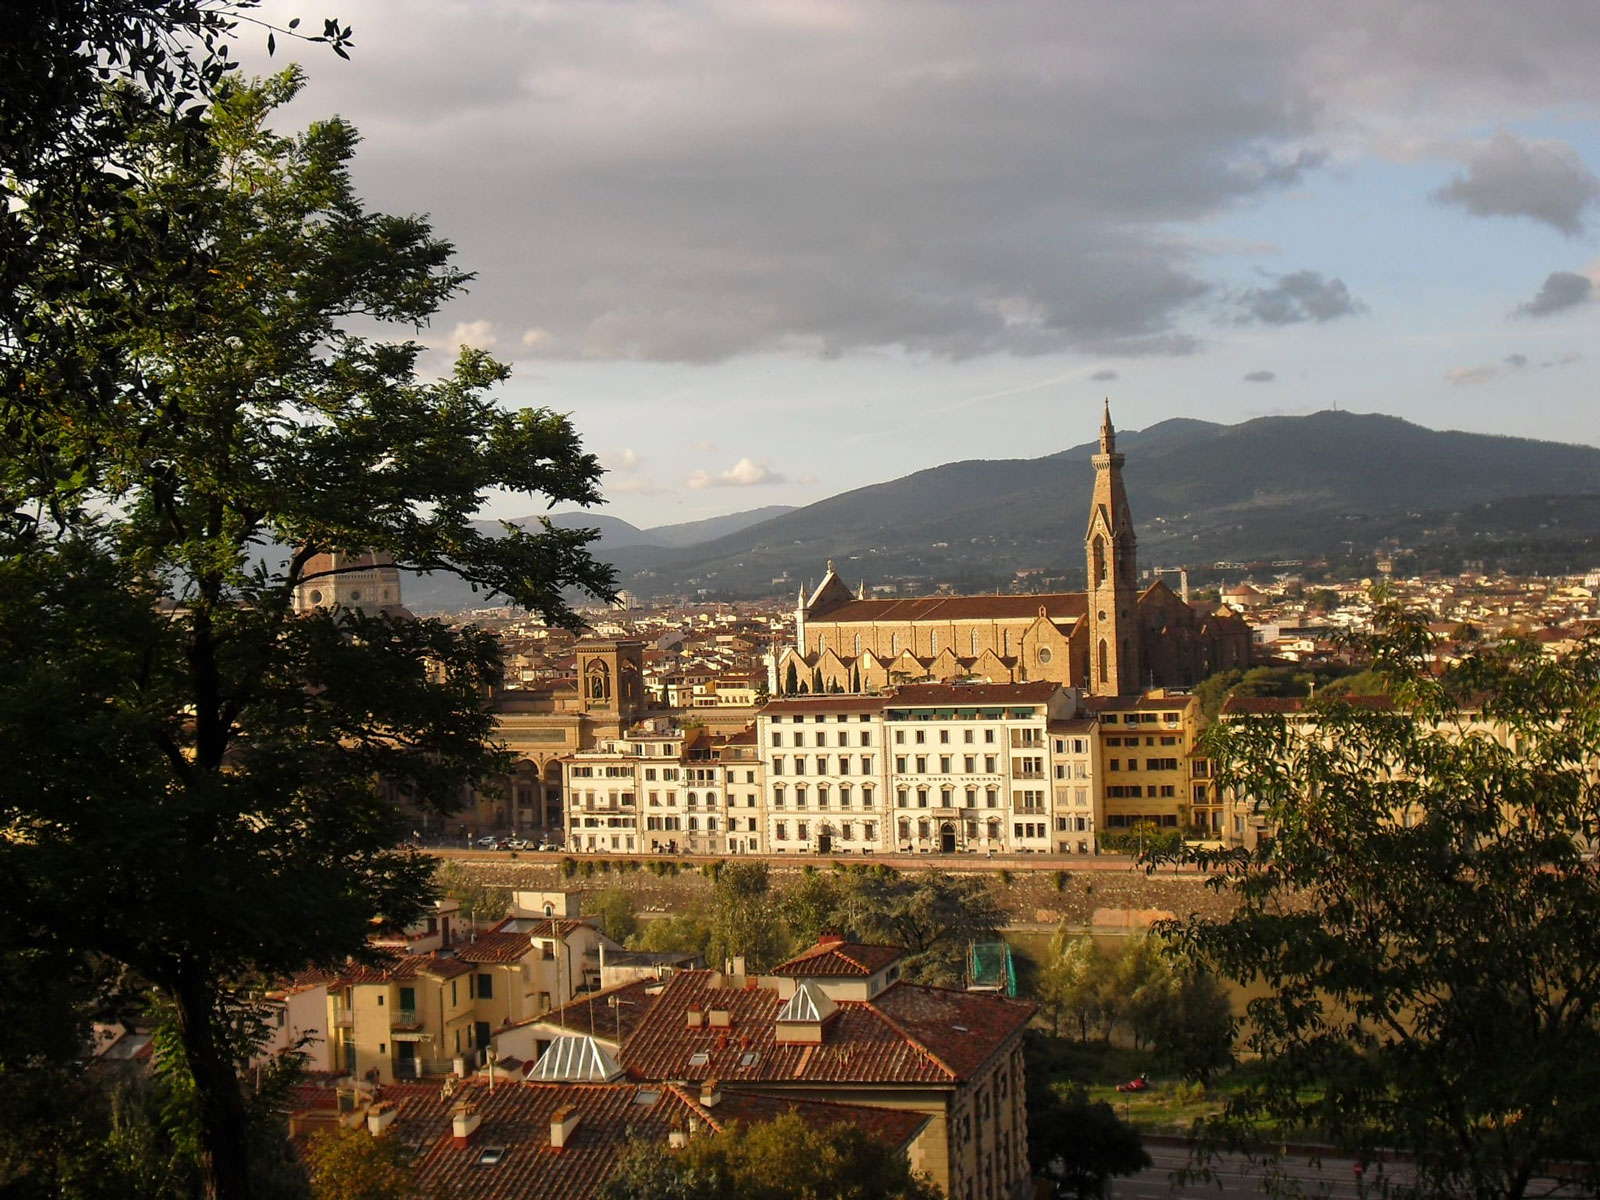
(989, 968)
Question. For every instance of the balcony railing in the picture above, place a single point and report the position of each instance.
(405, 1018)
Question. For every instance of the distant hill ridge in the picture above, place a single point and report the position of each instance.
(1328, 484)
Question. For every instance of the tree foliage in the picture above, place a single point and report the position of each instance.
(745, 922)
(619, 915)
(1424, 915)
(784, 1159)
(1078, 1146)
(351, 1164)
(190, 763)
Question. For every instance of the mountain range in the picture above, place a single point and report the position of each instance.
(1331, 486)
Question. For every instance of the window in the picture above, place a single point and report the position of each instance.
(800, 764)
(800, 796)
(903, 797)
(900, 764)
(899, 737)
(485, 986)
(802, 831)
(844, 795)
(822, 764)
(866, 764)
(866, 797)
(922, 797)
(989, 767)
(970, 762)
(777, 766)
(777, 737)
(905, 830)
(799, 737)
(944, 736)
(453, 998)
(869, 832)
(944, 764)
(922, 764)
(866, 735)
(822, 795)
(988, 736)
(783, 831)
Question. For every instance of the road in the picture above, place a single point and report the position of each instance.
(1234, 1175)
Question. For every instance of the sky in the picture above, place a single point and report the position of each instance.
(764, 253)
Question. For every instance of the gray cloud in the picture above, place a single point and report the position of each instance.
(1260, 377)
(1104, 375)
(700, 181)
(1560, 290)
(1509, 176)
(1516, 360)
(1299, 296)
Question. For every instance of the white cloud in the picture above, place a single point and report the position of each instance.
(479, 335)
(631, 485)
(537, 339)
(703, 446)
(744, 473)
(1479, 374)
(620, 460)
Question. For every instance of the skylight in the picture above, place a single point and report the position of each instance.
(646, 1096)
(749, 1058)
(490, 1156)
(699, 1059)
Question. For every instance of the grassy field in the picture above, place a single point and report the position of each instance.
(1168, 1106)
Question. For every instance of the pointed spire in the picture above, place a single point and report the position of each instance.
(1108, 435)
(861, 591)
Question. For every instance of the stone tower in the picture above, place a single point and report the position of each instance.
(1113, 594)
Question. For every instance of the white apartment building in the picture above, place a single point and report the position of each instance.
(665, 790)
(935, 768)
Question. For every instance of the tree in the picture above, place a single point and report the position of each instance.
(933, 914)
(1424, 914)
(479, 900)
(1074, 983)
(619, 915)
(687, 931)
(776, 1160)
(744, 918)
(1079, 1146)
(791, 680)
(811, 906)
(190, 762)
(1193, 1032)
(351, 1164)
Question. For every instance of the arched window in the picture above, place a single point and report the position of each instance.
(1104, 657)
(1099, 571)
(933, 642)
(894, 643)
(858, 644)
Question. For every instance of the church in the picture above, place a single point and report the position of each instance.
(1111, 640)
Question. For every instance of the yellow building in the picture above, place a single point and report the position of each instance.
(1148, 762)
(1111, 639)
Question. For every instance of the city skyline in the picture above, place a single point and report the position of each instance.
(766, 254)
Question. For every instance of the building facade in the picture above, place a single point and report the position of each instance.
(1111, 639)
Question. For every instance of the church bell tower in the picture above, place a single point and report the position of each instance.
(1113, 593)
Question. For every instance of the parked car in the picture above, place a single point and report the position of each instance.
(488, 841)
(517, 844)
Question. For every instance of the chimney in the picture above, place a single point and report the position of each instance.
(563, 1123)
(717, 981)
(677, 1139)
(830, 939)
(719, 1018)
(736, 969)
(464, 1122)
(710, 1094)
(380, 1116)
(696, 1017)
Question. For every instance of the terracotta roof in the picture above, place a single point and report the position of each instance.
(824, 704)
(910, 1039)
(839, 960)
(395, 970)
(1057, 606)
(1130, 703)
(516, 1118)
(504, 947)
(923, 694)
(1270, 705)
(604, 1013)
(1072, 725)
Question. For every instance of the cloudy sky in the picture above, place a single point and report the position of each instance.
(768, 252)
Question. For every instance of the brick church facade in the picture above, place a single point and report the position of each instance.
(1109, 640)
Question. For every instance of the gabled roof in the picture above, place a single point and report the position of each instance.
(571, 1059)
(612, 1014)
(503, 947)
(838, 960)
(908, 1036)
(916, 695)
(1057, 606)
